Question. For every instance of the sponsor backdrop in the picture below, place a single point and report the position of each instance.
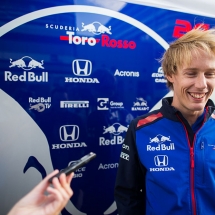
(72, 77)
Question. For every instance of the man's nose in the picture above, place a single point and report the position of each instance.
(201, 82)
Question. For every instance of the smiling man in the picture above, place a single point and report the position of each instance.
(168, 166)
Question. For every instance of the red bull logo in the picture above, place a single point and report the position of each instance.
(160, 139)
(161, 147)
(96, 28)
(106, 142)
(26, 63)
(30, 77)
(115, 129)
(39, 104)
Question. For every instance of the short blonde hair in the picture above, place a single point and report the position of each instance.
(180, 52)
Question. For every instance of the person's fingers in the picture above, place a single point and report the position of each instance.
(41, 187)
(54, 192)
(69, 178)
(56, 198)
(58, 186)
(51, 174)
(65, 183)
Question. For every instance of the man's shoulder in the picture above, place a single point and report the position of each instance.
(147, 119)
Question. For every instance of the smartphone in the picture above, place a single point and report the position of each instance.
(75, 165)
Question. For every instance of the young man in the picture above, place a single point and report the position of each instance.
(167, 164)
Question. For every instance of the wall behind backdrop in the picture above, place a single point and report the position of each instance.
(72, 77)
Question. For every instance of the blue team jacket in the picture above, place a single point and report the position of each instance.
(165, 168)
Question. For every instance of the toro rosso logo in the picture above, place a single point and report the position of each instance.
(26, 63)
(97, 28)
(115, 129)
(159, 139)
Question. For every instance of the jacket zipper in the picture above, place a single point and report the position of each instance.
(192, 161)
(192, 165)
(192, 179)
(203, 159)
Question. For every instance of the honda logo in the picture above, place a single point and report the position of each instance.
(69, 132)
(82, 67)
(161, 160)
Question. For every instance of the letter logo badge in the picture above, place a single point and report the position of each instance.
(102, 103)
(161, 160)
(81, 67)
(69, 132)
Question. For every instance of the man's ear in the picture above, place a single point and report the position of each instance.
(170, 78)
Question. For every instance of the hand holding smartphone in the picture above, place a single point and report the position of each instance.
(74, 166)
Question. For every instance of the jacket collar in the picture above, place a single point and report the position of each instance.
(170, 112)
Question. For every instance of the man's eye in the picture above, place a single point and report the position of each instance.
(191, 74)
(212, 74)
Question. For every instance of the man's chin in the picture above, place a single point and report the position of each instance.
(197, 107)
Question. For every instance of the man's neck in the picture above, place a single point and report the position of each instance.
(191, 118)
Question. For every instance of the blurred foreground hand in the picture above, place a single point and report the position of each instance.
(36, 202)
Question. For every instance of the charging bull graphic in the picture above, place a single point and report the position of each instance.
(122, 129)
(34, 64)
(163, 139)
(115, 129)
(89, 27)
(19, 63)
(96, 28)
(159, 139)
(24, 153)
(26, 63)
(102, 29)
(40, 107)
(110, 129)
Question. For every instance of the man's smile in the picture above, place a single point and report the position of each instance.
(197, 95)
